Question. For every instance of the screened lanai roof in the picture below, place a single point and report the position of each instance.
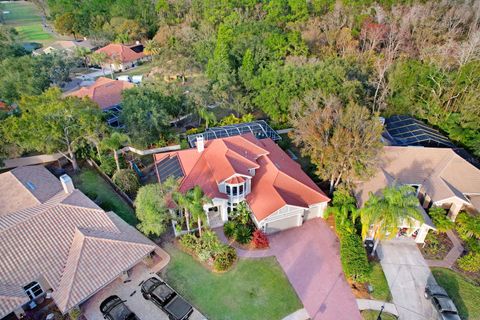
(406, 131)
(260, 129)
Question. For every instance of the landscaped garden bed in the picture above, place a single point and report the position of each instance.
(252, 289)
(242, 232)
(436, 246)
(208, 249)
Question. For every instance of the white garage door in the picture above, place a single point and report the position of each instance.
(282, 224)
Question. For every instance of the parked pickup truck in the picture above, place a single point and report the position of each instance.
(167, 299)
(442, 302)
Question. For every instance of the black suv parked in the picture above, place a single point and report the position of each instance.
(114, 308)
(167, 299)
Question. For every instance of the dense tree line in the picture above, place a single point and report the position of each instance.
(386, 57)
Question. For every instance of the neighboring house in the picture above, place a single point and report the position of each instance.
(107, 93)
(243, 168)
(441, 177)
(58, 244)
(122, 57)
(66, 46)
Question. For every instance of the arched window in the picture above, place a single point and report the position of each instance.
(33, 290)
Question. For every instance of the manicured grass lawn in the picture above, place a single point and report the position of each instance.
(373, 315)
(381, 290)
(463, 292)
(253, 289)
(26, 19)
(97, 189)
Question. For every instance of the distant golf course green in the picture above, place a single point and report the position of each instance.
(26, 19)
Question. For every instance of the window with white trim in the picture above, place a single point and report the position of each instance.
(33, 290)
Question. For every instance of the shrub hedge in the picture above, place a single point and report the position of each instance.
(209, 250)
(260, 240)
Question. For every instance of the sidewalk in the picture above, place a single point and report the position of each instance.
(366, 304)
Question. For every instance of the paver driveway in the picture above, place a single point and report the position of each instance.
(309, 255)
(407, 274)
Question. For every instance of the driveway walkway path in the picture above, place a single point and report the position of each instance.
(451, 256)
(367, 304)
(407, 275)
(309, 256)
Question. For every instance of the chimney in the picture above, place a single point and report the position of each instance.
(67, 183)
(200, 143)
(137, 42)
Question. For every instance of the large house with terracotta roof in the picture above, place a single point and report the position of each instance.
(107, 93)
(243, 168)
(122, 57)
(57, 244)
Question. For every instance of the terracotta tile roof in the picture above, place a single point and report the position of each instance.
(236, 180)
(68, 240)
(441, 171)
(105, 92)
(278, 180)
(122, 52)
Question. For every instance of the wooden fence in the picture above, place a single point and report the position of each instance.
(111, 183)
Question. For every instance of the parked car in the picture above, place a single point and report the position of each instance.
(166, 299)
(114, 308)
(442, 302)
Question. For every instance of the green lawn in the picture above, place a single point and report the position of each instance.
(97, 189)
(26, 19)
(373, 315)
(253, 289)
(463, 292)
(381, 290)
(142, 69)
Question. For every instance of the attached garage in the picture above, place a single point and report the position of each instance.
(283, 224)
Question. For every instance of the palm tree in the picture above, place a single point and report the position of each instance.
(114, 142)
(207, 116)
(82, 53)
(183, 203)
(344, 207)
(197, 200)
(384, 212)
(151, 48)
(99, 58)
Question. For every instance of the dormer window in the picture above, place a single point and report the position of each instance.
(33, 290)
(235, 187)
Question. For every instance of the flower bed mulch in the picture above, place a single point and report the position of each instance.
(436, 246)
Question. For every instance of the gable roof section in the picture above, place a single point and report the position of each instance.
(11, 297)
(25, 187)
(441, 171)
(69, 241)
(278, 180)
(83, 273)
(104, 92)
(121, 52)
